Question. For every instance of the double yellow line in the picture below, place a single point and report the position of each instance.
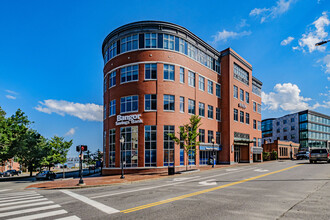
(201, 192)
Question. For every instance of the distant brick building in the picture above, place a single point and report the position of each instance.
(158, 74)
(9, 165)
(283, 148)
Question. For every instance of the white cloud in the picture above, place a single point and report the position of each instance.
(10, 97)
(89, 111)
(281, 7)
(71, 132)
(225, 35)
(328, 78)
(287, 41)
(243, 24)
(315, 34)
(11, 92)
(287, 97)
(326, 64)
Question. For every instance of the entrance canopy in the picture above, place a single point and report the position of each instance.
(209, 146)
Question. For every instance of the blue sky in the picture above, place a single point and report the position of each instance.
(51, 63)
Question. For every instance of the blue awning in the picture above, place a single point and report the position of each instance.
(216, 148)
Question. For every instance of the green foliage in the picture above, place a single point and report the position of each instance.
(91, 158)
(188, 134)
(57, 150)
(266, 156)
(273, 155)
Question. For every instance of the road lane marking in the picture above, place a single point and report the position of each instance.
(69, 218)
(15, 197)
(16, 194)
(19, 199)
(3, 190)
(22, 202)
(25, 205)
(202, 191)
(208, 183)
(95, 204)
(261, 170)
(169, 184)
(183, 178)
(5, 214)
(41, 215)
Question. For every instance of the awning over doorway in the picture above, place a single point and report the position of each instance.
(209, 146)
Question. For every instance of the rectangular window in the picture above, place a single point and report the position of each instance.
(202, 135)
(210, 111)
(293, 128)
(254, 106)
(129, 43)
(169, 102)
(201, 83)
(168, 42)
(191, 106)
(181, 104)
(129, 150)
(241, 117)
(150, 145)
(218, 114)
(191, 79)
(254, 142)
(129, 104)
(129, 74)
(150, 71)
(235, 114)
(240, 74)
(292, 119)
(217, 137)
(151, 40)
(218, 90)
(209, 86)
(235, 92)
(112, 107)
(112, 79)
(168, 72)
(254, 124)
(105, 85)
(150, 102)
(105, 112)
(209, 136)
(168, 145)
(241, 95)
(247, 97)
(181, 45)
(112, 147)
(247, 118)
(201, 109)
(259, 108)
(259, 126)
(181, 75)
(256, 90)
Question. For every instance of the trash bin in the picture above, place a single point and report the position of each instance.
(170, 170)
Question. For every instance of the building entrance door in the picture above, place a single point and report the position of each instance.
(237, 153)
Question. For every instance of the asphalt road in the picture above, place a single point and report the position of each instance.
(275, 190)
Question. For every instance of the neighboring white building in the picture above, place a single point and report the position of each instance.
(71, 162)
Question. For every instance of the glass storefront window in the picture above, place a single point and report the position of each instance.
(150, 144)
(129, 150)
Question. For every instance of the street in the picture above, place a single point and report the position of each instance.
(274, 190)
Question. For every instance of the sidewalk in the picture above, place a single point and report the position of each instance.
(115, 179)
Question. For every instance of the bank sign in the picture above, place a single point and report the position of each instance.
(128, 119)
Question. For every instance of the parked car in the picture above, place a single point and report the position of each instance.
(46, 175)
(319, 155)
(1, 174)
(302, 155)
(9, 173)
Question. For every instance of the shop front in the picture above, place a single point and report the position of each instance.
(207, 152)
(242, 153)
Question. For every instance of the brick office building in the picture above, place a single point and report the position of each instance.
(156, 75)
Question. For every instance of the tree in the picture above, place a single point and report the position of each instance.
(30, 148)
(11, 131)
(188, 136)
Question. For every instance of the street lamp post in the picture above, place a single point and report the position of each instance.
(213, 153)
(322, 42)
(122, 140)
(291, 152)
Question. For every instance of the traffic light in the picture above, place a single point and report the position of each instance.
(83, 147)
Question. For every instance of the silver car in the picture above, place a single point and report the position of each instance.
(319, 155)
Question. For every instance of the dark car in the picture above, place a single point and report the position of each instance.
(46, 175)
(9, 173)
(1, 174)
(319, 155)
(302, 155)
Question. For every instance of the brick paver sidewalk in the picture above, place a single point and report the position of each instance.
(115, 179)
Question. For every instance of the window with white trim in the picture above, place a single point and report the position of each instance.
(218, 114)
(201, 109)
(150, 145)
(168, 42)
(218, 90)
(129, 43)
(168, 72)
(150, 102)
(150, 40)
(210, 87)
(169, 102)
(210, 111)
(191, 79)
(150, 71)
(181, 75)
(235, 92)
(201, 83)
(181, 104)
(112, 79)
(191, 106)
(129, 74)
(168, 145)
(129, 104)
(112, 147)
(112, 107)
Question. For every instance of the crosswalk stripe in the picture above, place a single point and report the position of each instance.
(19, 199)
(22, 202)
(5, 214)
(25, 205)
(3, 190)
(41, 215)
(69, 218)
(95, 204)
(18, 196)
